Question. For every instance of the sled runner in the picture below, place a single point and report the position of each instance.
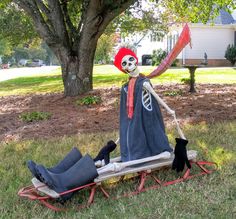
(145, 173)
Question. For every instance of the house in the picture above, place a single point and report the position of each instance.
(207, 40)
(144, 44)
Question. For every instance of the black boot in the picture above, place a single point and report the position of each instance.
(82, 172)
(69, 160)
(104, 153)
(181, 157)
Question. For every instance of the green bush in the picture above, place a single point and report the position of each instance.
(175, 63)
(173, 93)
(35, 116)
(158, 56)
(89, 100)
(185, 80)
(230, 54)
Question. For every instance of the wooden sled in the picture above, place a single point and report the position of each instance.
(144, 173)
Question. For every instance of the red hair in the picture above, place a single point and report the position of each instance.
(119, 56)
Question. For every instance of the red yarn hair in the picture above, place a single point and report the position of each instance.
(119, 56)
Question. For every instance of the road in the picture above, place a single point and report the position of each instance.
(6, 74)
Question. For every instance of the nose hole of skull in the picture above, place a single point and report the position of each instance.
(130, 64)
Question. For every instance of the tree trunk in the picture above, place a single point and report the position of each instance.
(192, 70)
(77, 70)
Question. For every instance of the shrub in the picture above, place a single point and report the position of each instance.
(230, 54)
(185, 80)
(89, 100)
(175, 63)
(173, 93)
(35, 116)
(158, 56)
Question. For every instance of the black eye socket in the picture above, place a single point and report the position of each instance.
(124, 63)
(131, 59)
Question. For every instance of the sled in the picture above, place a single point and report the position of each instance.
(145, 174)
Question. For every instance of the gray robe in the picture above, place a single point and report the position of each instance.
(143, 135)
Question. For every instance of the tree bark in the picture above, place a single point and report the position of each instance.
(77, 70)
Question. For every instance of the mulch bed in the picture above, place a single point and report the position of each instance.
(210, 103)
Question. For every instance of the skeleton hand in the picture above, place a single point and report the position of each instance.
(100, 163)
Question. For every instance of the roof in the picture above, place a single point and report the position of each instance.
(223, 18)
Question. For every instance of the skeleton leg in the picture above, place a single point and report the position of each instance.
(116, 167)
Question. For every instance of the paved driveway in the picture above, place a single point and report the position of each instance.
(6, 74)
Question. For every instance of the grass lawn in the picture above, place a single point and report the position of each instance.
(107, 75)
(212, 196)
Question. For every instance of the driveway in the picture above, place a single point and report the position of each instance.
(6, 74)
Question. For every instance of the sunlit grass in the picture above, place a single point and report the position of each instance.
(212, 196)
(108, 75)
(26, 85)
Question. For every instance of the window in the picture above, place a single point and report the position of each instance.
(156, 37)
(171, 41)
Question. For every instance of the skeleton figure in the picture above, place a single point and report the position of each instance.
(142, 135)
(142, 131)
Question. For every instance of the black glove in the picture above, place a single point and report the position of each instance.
(104, 153)
(181, 157)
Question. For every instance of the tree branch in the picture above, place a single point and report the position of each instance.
(43, 7)
(57, 19)
(71, 28)
(109, 13)
(32, 9)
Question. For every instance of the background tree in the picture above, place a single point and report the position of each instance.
(71, 28)
(5, 48)
(16, 26)
(104, 48)
(20, 53)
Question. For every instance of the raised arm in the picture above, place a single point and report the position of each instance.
(148, 86)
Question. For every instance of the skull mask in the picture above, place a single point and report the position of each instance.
(129, 65)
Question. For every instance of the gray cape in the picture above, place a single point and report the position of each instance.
(143, 135)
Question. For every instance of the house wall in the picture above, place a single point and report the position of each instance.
(210, 39)
(211, 62)
(146, 47)
(143, 43)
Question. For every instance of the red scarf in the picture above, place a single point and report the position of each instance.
(183, 40)
(130, 98)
